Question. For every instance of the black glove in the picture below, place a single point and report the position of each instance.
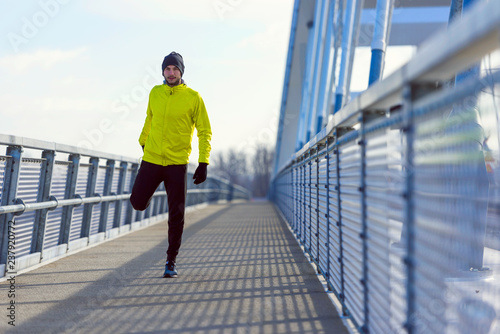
(200, 175)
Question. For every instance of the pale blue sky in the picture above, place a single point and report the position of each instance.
(79, 72)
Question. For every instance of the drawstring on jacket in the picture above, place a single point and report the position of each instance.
(172, 88)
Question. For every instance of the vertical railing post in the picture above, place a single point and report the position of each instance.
(320, 146)
(224, 187)
(9, 194)
(364, 229)
(327, 215)
(90, 192)
(130, 209)
(286, 189)
(303, 211)
(69, 192)
(119, 191)
(296, 207)
(304, 202)
(295, 196)
(409, 214)
(301, 198)
(309, 204)
(139, 215)
(292, 198)
(231, 192)
(298, 198)
(43, 196)
(108, 183)
(338, 133)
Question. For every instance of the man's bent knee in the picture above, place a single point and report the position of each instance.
(137, 205)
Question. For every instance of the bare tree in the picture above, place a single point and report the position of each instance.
(261, 165)
(231, 165)
(218, 165)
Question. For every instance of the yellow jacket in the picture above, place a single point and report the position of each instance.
(172, 115)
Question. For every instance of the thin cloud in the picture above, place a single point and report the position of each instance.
(275, 36)
(185, 10)
(147, 10)
(42, 58)
(252, 10)
(53, 107)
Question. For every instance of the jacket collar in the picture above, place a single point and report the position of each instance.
(182, 82)
(171, 90)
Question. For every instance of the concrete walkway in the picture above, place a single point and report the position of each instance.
(240, 271)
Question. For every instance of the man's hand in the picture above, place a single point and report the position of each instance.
(200, 175)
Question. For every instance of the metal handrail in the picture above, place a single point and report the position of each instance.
(25, 142)
(54, 203)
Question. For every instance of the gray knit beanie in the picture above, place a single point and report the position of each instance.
(175, 59)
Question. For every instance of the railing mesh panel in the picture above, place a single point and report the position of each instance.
(29, 177)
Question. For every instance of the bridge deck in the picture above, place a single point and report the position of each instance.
(240, 271)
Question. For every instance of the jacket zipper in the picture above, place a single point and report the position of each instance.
(164, 153)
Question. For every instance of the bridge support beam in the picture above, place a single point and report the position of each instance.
(380, 39)
(349, 42)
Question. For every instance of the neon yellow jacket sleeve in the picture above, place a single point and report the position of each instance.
(204, 131)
